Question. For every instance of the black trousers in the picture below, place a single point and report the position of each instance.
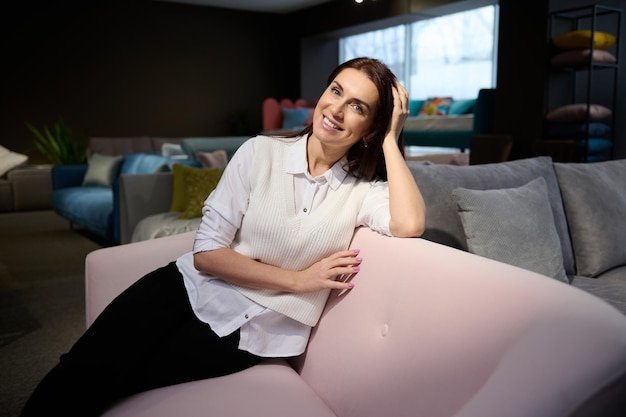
(148, 337)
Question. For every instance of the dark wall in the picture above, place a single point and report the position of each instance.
(519, 101)
(141, 68)
(144, 67)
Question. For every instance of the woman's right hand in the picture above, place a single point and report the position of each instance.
(331, 272)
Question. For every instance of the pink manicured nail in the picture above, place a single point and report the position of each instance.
(356, 268)
(350, 285)
(357, 250)
(359, 259)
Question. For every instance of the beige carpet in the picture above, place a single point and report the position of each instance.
(41, 299)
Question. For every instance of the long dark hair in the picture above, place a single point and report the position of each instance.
(369, 162)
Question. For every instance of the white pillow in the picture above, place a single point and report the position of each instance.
(10, 160)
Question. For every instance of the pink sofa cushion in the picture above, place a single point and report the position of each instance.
(269, 389)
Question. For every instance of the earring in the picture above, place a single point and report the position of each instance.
(364, 143)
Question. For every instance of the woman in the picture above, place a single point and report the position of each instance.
(272, 243)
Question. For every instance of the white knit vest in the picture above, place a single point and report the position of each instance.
(272, 233)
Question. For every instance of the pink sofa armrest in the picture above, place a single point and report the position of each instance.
(433, 331)
(109, 271)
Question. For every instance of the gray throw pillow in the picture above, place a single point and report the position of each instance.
(443, 224)
(514, 226)
(102, 170)
(594, 197)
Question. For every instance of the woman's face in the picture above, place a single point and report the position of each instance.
(345, 112)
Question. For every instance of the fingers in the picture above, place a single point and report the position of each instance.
(402, 96)
(346, 265)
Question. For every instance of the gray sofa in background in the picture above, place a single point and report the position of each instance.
(587, 202)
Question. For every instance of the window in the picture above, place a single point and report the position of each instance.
(452, 55)
(384, 44)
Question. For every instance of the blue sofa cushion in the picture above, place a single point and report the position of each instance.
(144, 163)
(88, 207)
(462, 106)
(64, 176)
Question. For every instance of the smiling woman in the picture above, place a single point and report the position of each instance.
(273, 238)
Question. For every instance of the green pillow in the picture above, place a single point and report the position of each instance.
(102, 170)
(514, 226)
(179, 200)
(191, 188)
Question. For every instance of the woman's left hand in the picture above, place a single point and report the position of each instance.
(406, 205)
(400, 112)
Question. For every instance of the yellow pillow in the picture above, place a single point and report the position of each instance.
(191, 187)
(179, 199)
(581, 39)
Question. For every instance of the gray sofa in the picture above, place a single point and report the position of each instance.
(567, 225)
(587, 202)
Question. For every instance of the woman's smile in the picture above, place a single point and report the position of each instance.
(330, 124)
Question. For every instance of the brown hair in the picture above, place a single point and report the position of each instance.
(369, 162)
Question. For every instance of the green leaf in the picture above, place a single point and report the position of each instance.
(58, 145)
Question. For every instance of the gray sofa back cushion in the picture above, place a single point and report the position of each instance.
(229, 144)
(594, 196)
(123, 145)
(443, 223)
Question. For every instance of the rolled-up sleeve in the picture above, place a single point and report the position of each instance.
(375, 210)
(224, 208)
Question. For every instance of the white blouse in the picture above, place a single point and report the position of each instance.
(263, 331)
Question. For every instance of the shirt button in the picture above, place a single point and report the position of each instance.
(246, 316)
(304, 209)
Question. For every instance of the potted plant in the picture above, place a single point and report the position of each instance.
(57, 144)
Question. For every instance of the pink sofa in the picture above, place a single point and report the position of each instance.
(273, 120)
(428, 331)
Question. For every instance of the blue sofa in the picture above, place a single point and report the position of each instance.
(96, 208)
(477, 114)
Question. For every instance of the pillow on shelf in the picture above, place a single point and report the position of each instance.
(578, 130)
(191, 187)
(578, 113)
(294, 117)
(581, 39)
(581, 56)
(595, 145)
(102, 170)
(435, 106)
(215, 159)
(514, 226)
(10, 160)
